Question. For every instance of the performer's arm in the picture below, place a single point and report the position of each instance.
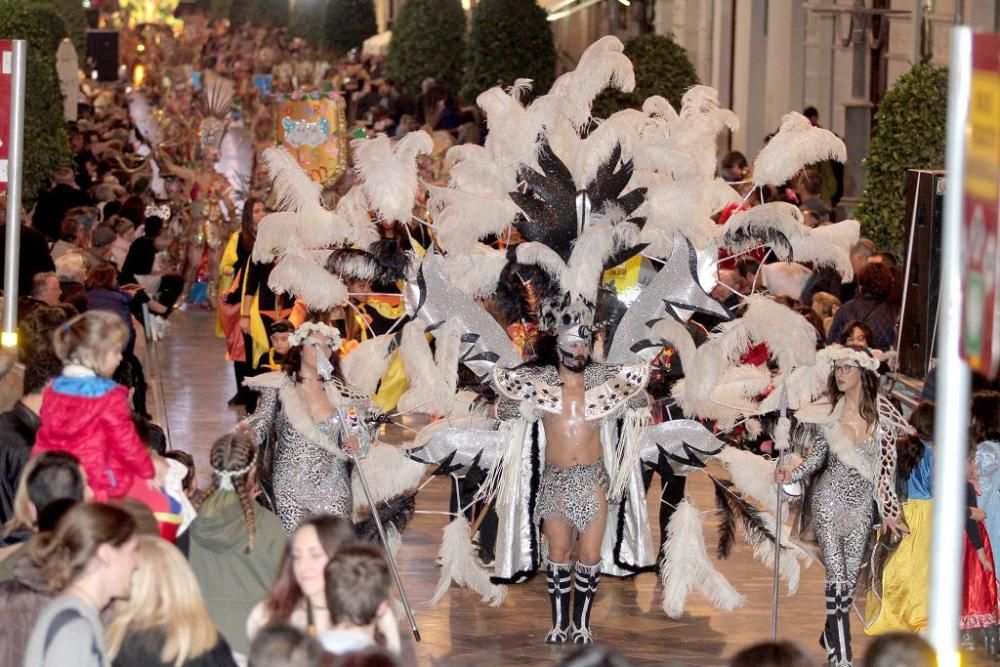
(813, 462)
(261, 421)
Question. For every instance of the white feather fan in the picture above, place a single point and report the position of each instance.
(796, 145)
(685, 566)
(458, 564)
(389, 173)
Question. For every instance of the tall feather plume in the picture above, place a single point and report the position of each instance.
(431, 391)
(777, 224)
(293, 188)
(534, 252)
(603, 65)
(685, 565)
(302, 276)
(593, 247)
(789, 337)
(367, 363)
(621, 129)
(458, 564)
(476, 272)
(389, 473)
(463, 218)
(753, 475)
(273, 234)
(674, 334)
(388, 173)
(796, 145)
(659, 107)
(830, 245)
(513, 132)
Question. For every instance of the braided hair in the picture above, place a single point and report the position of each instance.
(232, 460)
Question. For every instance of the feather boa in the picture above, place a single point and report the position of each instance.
(685, 565)
(458, 564)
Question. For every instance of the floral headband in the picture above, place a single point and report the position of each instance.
(226, 477)
(837, 353)
(321, 328)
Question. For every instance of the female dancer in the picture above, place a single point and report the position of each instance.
(853, 456)
(304, 403)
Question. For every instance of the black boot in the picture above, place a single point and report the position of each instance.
(836, 638)
(586, 579)
(557, 576)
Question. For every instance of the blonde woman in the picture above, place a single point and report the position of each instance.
(164, 621)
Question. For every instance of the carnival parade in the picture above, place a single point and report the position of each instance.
(496, 332)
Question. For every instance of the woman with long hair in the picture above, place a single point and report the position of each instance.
(164, 621)
(298, 596)
(852, 462)
(90, 558)
(236, 544)
(306, 404)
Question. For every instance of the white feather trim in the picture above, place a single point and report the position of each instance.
(796, 145)
(388, 472)
(364, 366)
(830, 245)
(789, 569)
(458, 564)
(685, 565)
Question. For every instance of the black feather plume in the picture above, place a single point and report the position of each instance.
(397, 511)
(727, 525)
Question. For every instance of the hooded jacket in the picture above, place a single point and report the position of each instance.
(231, 580)
(89, 417)
(22, 600)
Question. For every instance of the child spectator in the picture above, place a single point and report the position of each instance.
(86, 414)
(357, 594)
(236, 544)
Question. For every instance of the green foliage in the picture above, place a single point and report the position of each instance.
(74, 19)
(428, 39)
(46, 144)
(662, 67)
(349, 23)
(508, 40)
(909, 135)
(308, 20)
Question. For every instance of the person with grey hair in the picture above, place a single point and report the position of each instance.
(828, 279)
(900, 649)
(124, 235)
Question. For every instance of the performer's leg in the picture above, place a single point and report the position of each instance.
(558, 571)
(588, 571)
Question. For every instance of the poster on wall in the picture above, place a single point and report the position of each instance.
(980, 329)
(313, 128)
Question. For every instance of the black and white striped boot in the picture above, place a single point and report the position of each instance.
(557, 576)
(586, 579)
(836, 638)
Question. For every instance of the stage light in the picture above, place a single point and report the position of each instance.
(8, 339)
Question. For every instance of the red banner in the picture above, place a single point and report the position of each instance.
(6, 71)
(980, 330)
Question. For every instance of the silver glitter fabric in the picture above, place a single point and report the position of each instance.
(307, 478)
(842, 508)
(569, 493)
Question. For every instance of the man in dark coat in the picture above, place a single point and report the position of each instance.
(19, 425)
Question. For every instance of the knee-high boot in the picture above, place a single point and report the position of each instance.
(586, 579)
(557, 576)
(836, 638)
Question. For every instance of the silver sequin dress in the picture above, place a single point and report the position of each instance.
(846, 497)
(310, 472)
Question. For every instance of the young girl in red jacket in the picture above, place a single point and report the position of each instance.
(86, 414)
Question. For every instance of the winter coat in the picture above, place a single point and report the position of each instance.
(142, 649)
(17, 436)
(22, 600)
(90, 418)
(231, 580)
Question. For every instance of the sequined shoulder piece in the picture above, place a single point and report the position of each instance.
(608, 387)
